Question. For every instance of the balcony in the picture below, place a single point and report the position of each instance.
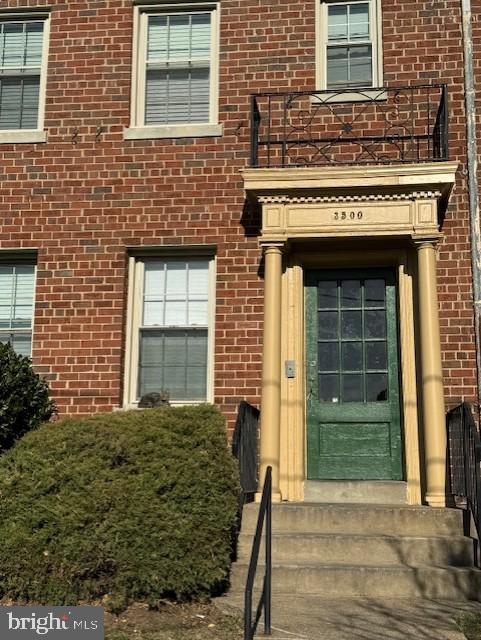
(389, 125)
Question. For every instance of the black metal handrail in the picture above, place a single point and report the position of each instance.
(244, 448)
(464, 444)
(350, 126)
(265, 515)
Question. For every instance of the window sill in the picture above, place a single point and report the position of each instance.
(22, 136)
(347, 95)
(173, 131)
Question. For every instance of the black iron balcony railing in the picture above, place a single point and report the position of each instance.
(353, 126)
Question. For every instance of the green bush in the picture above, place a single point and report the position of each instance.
(135, 505)
(24, 401)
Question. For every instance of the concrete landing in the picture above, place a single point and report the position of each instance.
(314, 618)
(356, 491)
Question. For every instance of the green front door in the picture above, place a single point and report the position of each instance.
(353, 414)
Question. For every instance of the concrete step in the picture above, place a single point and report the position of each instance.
(356, 491)
(359, 549)
(388, 581)
(358, 519)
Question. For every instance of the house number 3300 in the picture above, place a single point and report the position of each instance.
(348, 215)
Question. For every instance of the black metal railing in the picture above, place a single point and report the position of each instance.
(244, 448)
(264, 605)
(464, 446)
(351, 126)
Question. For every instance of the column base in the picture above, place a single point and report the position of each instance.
(438, 501)
(276, 496)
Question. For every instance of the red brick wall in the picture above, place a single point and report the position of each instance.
(81, 199)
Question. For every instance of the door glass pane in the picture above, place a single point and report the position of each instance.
(375, 324)
(376, 355)
(329, 388)
(351, 325)
(352, 388)
(328, 356)
(350, 294)
(374, 293)
(352, 356)
(328, 325)
(376, 387)
(327, 295)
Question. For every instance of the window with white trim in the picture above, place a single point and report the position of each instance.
(23, 51)
(349, 53)
(170, 328)
(17, 285)
(175, 80)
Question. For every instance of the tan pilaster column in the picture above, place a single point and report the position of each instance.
(432, 376)
(270, 432)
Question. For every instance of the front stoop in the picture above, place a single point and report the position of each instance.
(378, 558)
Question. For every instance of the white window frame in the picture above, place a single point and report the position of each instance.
(138, 130)
(375, 17)
(22, 259)
(135, 294)
(38, 134)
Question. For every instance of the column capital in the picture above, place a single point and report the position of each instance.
(268, 246)
(420, 241)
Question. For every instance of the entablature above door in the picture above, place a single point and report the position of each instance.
(399, 201)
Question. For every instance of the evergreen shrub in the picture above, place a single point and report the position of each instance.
(24, 401)
(135, 505)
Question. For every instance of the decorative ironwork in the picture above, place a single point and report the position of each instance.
(354, 126)
(464, 445)
(244, 448)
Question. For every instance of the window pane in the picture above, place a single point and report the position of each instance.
(328, 325)
(328, 356)
(376, 355)
(352, 356)
(176, 284)
(351, 324)
(197, 349)
(327, 294)
(337, 66)
(152, 348)
(34, 44)
(157, 38)
(350, 293)
(19, 102)
(175, 313)
(374, 293)
(198, 278)
(22, 344)
(13, 44)
(174, 361)
(200, 45)
(337, 22)
(198, 313)
(177, 95)
(329, 388)
(179, 37)
(375, 324)
(376, 387)
(352, 388)
(360, 71)
(359, 21)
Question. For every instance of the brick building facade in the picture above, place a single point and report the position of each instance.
(100, 187)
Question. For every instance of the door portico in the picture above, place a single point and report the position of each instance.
(364, 217)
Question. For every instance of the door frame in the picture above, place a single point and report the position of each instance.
(293, 460)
